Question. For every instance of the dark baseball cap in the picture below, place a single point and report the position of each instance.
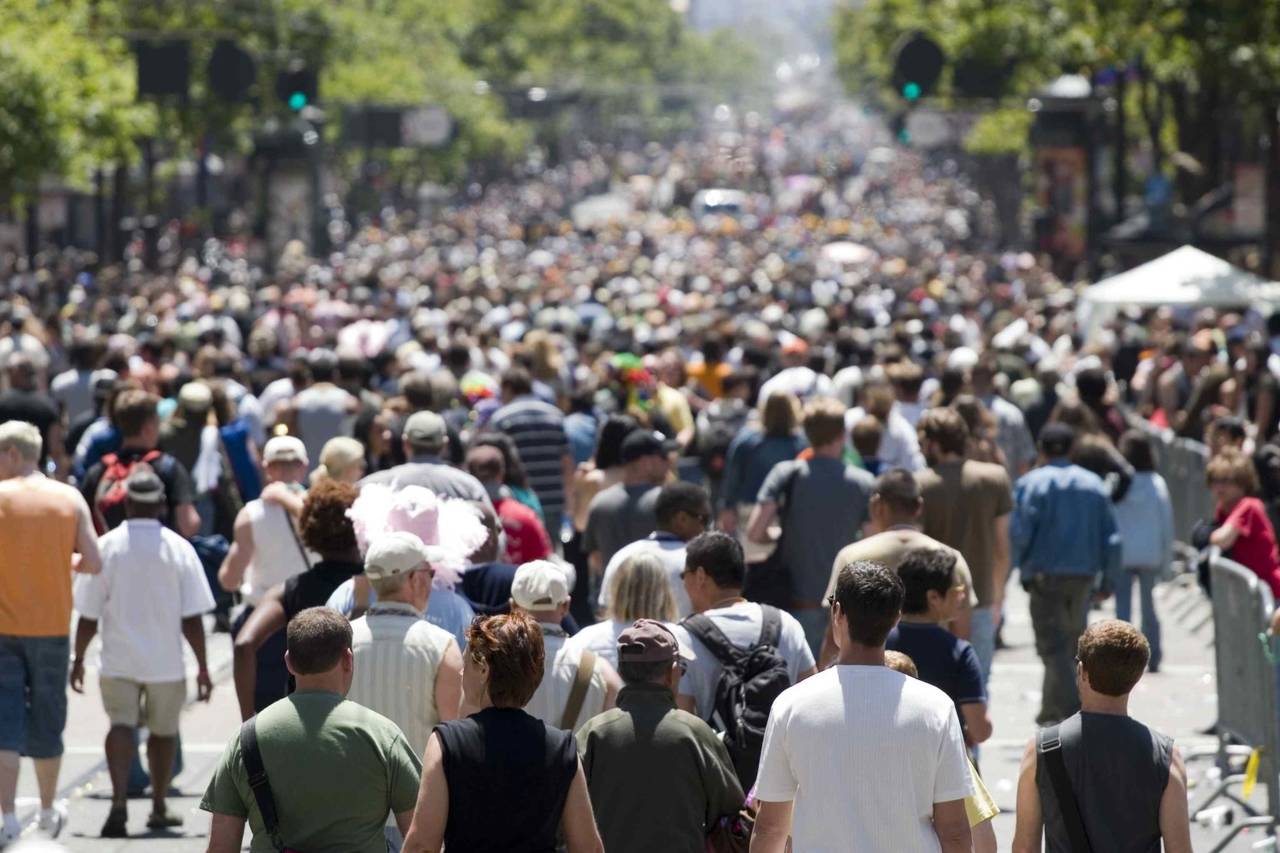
(648, 641)
(641, 443)
(144, 487)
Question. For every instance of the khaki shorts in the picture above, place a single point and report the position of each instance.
(123, 701)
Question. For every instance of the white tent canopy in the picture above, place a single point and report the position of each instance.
(1184, 277)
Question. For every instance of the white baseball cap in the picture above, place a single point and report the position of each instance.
(395, 553)
(539, 585)
(284, 448)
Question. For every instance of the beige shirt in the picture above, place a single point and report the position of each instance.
(891, 548)
(551, 697)
(397, 655)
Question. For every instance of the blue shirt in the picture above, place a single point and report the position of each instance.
(445, 609)
(581, 429)
(1063, 523)
(942, 659)
(751, 457)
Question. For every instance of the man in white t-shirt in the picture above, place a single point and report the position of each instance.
(714, 569)
(860, 756)
(682, 512)
(563, 699)
(150, 594)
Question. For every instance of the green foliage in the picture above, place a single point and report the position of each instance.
(999, 132)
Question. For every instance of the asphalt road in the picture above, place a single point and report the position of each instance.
(1180, 700)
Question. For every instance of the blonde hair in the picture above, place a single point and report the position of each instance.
(337, 455)
(641, 590)
(23, 437)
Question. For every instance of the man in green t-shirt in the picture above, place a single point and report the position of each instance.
(335, 768)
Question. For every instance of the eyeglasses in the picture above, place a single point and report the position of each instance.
(682, 664)
(831, 601)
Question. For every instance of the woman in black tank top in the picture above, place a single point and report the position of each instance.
(500, 780)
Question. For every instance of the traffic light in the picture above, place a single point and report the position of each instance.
(164, 67)
(232, 72)
(917, 65)
(297, 86)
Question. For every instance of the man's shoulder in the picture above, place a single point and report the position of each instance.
(985, 473)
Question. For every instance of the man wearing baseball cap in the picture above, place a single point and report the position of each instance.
(405, 668)
(426, 439)
(576, 685)
(627, 511)
(150, 593)
(267, 551)
(647, 738)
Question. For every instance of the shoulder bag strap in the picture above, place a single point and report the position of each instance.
(288, 520)
(258, 782)
(578, 694)
(771, 629)
(706, 630)
(1049, 749)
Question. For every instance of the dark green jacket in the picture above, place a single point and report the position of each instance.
(659, 777)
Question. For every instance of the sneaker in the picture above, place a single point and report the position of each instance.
(117, 823)
(163, 820)
(8, 835)
(53, 820)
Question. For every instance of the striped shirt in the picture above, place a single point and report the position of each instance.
(397, 654)
(537, 428)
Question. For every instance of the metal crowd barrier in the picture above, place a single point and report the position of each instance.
(1247, 688)
(1181, 462)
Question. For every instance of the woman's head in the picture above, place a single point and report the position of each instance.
(324, 526)
(642, 590)
(780, 415)
(341, 459)
(504, 661)
(613, 432)
(1076, 415)
(516, 475)
(1231, 476)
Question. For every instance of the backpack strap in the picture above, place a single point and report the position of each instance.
(771, 629)
(258, 782)
(702, 627)
(1049, 750)
(578, 693)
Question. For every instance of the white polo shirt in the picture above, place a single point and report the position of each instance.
(668, 548)
(151, 580)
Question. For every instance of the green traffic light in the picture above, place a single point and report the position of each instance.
(297, 101)
(911, 91)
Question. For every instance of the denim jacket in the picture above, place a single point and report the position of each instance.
(1063, 523)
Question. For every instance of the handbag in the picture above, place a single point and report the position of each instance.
(769, 582)
(1049, 750)
(260, 785)
(732, 833)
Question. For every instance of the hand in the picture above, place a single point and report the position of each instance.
(77, 676)
(275, 493)
(1101, 596)
(204, 686)
(728, 521)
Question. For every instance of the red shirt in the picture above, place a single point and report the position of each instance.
(527, 538)
(1255, 548)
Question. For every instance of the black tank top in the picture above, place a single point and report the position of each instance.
(508, 775)
(1118, 770)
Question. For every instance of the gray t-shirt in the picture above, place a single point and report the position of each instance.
(741, 623)
(323, 412)
(445, 480)
(619, 515)
(824, 512)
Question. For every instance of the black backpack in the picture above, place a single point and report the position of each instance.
(752, 678)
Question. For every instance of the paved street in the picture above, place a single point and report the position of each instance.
(1179, 700)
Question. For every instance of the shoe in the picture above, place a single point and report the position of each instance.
(163, 820)
(54, 820)
(8, 836)
(117, 823)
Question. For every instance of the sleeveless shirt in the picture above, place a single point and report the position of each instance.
(508, 775)
(1118, 770)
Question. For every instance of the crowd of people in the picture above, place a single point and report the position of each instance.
(535, 530)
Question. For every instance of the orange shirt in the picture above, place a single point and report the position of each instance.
(38, 520)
